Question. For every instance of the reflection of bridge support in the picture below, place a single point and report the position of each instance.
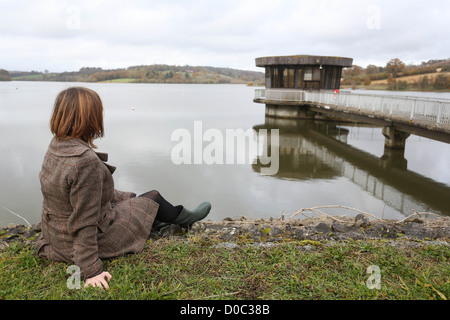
(394, 139)
(394, 158)
(289, 111)
(394, 148)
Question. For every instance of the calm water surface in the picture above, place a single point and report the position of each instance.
(321, 163)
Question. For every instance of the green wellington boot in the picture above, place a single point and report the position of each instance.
(186, 217)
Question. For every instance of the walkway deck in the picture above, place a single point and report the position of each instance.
(426, 117)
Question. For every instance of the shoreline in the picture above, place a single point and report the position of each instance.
(343, 87)
(233, 231)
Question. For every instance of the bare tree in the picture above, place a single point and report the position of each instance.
(394, 67)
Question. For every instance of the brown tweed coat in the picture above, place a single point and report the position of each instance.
(84, 218)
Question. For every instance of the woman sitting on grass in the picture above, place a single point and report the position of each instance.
(84, 218)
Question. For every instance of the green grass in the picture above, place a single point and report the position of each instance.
(121, 80)
(34, 77)
(195, 269)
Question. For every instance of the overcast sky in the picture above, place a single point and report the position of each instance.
(63, 35)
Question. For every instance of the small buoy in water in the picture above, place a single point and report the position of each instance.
(132, 108)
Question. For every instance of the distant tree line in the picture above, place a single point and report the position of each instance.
(396, 68)
(150, 74)
(160, 73)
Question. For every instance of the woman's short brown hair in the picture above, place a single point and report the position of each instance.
(77, 113)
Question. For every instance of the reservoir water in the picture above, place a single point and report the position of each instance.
(320, 163)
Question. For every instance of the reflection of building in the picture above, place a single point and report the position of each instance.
(301, 158)
(303, 71)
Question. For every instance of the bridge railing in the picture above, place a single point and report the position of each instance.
(414, 108)
(280, 95)
(433, 110)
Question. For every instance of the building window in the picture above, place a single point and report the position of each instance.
(311, 74)
(333, 78)
(307, 76)
(289, 78)
(316, 74)
(268, 78)
(300, 78)
(311, 78)
(275, 82)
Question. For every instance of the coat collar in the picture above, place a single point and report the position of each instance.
(68, 148)
(103, 156)
(74, 148)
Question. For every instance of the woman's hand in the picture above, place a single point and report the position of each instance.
(99, 280)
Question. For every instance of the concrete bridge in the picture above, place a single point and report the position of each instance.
(399, 116)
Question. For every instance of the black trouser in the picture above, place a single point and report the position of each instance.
(166, 211)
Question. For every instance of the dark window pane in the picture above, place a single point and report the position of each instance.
(316, 74)
(300, 79)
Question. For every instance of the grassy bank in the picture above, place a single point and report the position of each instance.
(406, 83)
(197, 268)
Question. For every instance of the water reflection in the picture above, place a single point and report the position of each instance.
(311, 150)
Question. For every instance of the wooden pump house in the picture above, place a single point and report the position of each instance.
(303, 72)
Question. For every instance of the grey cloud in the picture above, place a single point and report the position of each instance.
(224, 33)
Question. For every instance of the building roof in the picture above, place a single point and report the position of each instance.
(304, 60)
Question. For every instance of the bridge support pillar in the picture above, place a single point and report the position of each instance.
(395, 139)
(289, 111)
